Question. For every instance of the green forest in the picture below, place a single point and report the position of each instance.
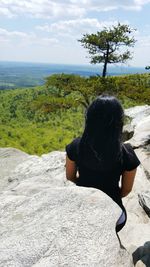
(45, 118)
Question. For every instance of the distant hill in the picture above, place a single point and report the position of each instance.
(23, 74)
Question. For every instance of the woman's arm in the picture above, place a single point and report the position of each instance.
(71, 169)
(127, 182)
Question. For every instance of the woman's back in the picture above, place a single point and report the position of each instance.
(91, 174)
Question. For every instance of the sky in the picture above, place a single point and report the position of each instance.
(48, 31)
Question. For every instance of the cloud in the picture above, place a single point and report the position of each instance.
(99, 5)
(25, 39)
(64, 9)
(6, 33)
(72, 30)
(70, 25)
(142, 2)
(40, 8)
(75, 27)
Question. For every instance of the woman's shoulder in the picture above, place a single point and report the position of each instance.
(130, 159)
(76, 140)
(72, 148)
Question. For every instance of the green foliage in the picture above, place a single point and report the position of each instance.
(104, 46)
(43, 119)
(28, 124)
(81, 91)
(135, 87)
(76, 89)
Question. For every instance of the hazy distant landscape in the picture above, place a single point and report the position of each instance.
(23, 74)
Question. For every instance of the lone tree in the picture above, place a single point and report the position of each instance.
(104, 46)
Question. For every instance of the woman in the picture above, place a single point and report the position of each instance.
(99, 159)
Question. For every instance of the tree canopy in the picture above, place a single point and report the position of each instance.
(106, 46)
(75, 88)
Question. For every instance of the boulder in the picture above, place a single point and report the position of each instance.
(48, 221)
(137, 229)
(136, 232)
(61, 226)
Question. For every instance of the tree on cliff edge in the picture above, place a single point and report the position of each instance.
(104, 46)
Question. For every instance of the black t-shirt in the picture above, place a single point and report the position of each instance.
(105, 180)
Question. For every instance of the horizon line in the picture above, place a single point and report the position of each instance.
(70, 64)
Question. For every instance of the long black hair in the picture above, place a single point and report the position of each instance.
(101, 142)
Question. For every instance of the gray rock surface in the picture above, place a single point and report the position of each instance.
(140, 116)
(137, 229)
(61, 226)
(138, 113)
(136, 233)
(144, 156)
(9, 160)
(47, 170)
(48, 221)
